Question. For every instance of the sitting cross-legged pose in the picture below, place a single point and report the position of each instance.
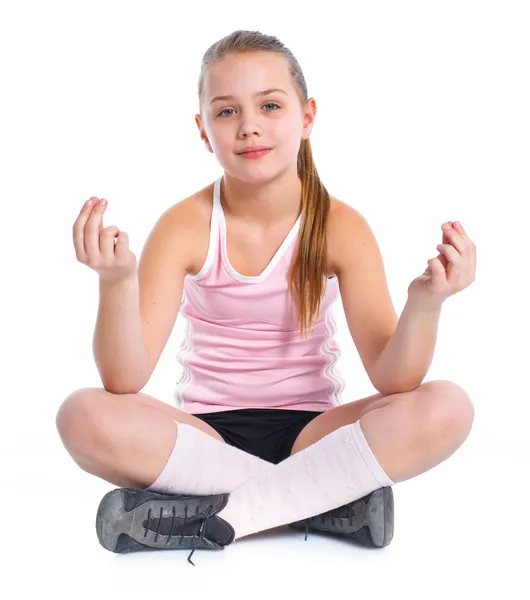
(260, 436)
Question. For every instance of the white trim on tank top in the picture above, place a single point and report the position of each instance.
(218, 218)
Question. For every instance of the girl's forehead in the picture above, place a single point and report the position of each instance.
(257, 71)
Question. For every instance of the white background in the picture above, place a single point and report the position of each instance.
(423, 117)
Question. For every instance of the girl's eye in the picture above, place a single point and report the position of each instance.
(268, 104)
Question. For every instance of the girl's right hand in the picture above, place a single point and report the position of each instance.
(97, 248)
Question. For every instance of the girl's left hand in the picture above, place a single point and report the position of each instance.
(451, 271)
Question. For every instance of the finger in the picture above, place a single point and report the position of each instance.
(122, 245)
(93, 230)
(436, 265)
(454, 259)
(107, 239)
(453, 238)
(450, 252)
(443, 260)
(458, 227)
(79, 228)
(437, 269)
(448, 233)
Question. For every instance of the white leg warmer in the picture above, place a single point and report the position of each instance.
(200, 464)
(336, 470)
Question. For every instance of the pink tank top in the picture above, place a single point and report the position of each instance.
(242, 347)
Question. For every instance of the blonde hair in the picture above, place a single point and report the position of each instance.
(307, 274)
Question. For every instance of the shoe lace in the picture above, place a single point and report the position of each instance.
(200, 535)
(331, 517)
(197, 536)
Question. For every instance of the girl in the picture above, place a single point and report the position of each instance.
(260, 437)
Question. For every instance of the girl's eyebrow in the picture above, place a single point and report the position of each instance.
(264, 93)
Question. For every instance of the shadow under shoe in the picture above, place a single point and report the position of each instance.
(368, 520)
(130, 519)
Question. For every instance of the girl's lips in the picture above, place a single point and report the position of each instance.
(255, 154)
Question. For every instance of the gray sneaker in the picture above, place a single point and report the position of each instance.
(130, 519)
(368, 520)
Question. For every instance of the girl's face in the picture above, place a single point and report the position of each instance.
(276, 120)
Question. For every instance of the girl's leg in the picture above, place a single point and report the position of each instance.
(125, 439)
(137, 441)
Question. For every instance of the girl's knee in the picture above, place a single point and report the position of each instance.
(77, 413)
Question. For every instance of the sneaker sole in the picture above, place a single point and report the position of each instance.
(379, 517)
(122, 531)
(372, 524)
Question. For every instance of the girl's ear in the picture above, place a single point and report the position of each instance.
(204, 137)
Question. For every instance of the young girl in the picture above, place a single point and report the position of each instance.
(260, 437)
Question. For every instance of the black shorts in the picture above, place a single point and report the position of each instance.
(268, 433)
